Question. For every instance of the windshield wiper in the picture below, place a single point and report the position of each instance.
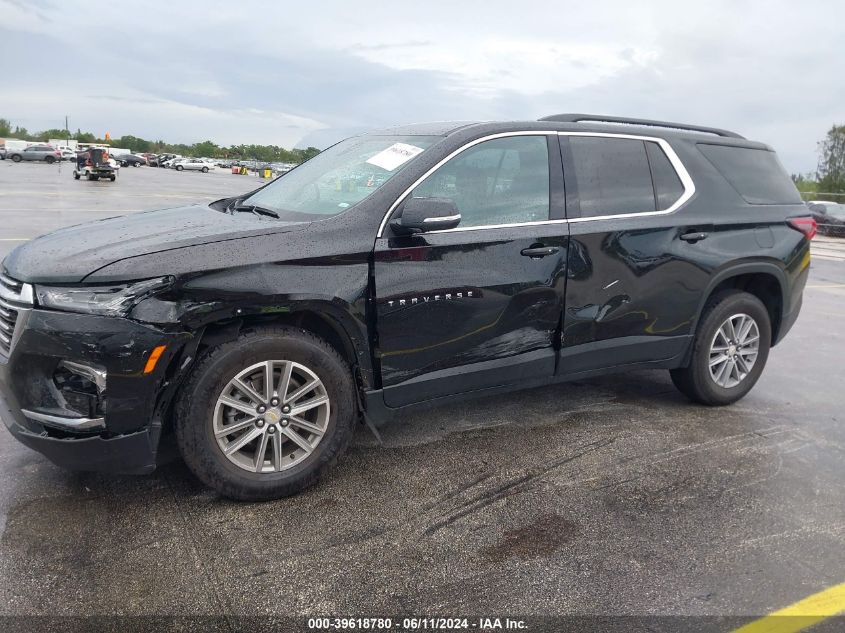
(253, 208)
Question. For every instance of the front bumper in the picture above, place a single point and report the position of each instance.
(126, 440)
(134, 453)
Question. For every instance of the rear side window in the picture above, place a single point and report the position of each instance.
(613, 175)
(667, 185)
(756, 174)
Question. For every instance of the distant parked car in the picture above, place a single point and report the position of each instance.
(67, 154)
(195, 164)
(282, 168)
(164, 160)
(47, 153)
(830, 217)
(131, 160)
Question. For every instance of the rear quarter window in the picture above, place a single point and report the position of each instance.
(756, 174)
(667, 185)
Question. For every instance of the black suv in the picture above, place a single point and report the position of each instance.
(400, 269)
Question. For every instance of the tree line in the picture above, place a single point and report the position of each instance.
(829, 177)
(209, 149)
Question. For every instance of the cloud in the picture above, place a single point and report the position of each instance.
(263, 72)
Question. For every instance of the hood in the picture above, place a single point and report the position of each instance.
(69, 255)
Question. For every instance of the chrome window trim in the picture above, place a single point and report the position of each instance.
(674, 159)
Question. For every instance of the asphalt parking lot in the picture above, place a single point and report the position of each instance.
(608, 496)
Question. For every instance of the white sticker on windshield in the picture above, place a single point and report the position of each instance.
(394, 156)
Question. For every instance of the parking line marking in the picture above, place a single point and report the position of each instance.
(826, 286)
(14, 239)
(802, 614)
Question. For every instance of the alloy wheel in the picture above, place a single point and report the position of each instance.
(271, 416)
(734, 350)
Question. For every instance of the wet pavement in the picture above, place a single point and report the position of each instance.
(607, 496)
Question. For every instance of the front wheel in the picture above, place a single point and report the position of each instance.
(76, 175)
(179, 168)
(265, 416)
(16, 158)
(205, 170)
(729, 351)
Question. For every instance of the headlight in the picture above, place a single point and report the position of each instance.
(111, 300)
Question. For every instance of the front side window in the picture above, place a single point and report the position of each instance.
(613, 175)
(339, 177)
(501, 181)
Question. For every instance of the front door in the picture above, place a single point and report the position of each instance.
(477, 306)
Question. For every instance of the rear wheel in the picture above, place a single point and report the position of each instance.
(112, 177)
(265, 416)
(179, 168)
(729, 352)
(205, 170)
(49, 159)
(76, 175)
(16, 158)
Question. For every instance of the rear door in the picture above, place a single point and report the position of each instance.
(634, 283)
(477, 306)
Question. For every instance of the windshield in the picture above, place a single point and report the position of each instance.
(338, 178)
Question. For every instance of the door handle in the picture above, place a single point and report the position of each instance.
(694, 236)
(536, 252)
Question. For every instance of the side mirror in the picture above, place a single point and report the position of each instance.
(427, 214)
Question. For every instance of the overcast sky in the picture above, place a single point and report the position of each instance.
(309, 73)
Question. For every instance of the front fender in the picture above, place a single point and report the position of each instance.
(337, 293)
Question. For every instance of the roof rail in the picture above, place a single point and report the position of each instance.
(598, 118)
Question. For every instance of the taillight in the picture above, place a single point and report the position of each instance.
(807, 226)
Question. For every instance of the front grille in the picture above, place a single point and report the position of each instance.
(8, 318)
(10, 284)
(14, 296)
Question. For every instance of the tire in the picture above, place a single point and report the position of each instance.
(76, 175)
(179, 168)
(205, 170)
(49, 160)
(112, 178)
(198, 413)
(696, 381)
(16, 158)
(136, 164)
